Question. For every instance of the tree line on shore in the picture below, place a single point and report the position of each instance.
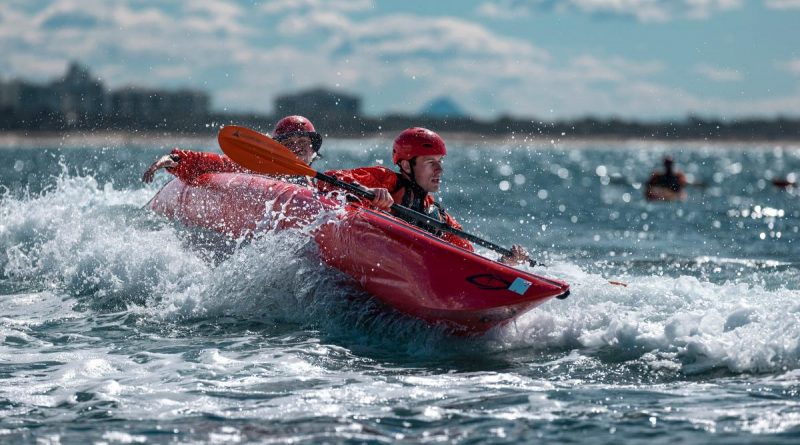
(190, 123)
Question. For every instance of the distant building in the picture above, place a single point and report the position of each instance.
(81, 98)
(19, 96)
(133, 103)
(320, 105)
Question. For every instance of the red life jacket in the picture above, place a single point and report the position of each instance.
(403, 192)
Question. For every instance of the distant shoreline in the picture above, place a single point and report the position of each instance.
(99, 139)
(113, 139)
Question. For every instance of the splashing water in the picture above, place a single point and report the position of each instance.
(122, 327)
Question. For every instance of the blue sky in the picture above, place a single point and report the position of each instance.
(546, 59)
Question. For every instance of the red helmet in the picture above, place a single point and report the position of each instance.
(296, 126)
(292, 124)
(415, 142)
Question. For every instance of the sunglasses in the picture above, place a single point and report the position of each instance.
(316, 138)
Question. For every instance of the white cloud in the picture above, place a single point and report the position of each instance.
(296, 24)
(30, 66)
(502, 10)
(793, 66)
(216, 16)
(786, 104)
(405, 34)
(640, 10)
(703, 9)
(718, 74)
(783, 4)
(426, 55)
(614, 69)
(490, 74)
(285, 6)
(396, 62)
(134, 42)
(421, 57)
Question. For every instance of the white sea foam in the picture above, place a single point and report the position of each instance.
(93, 242)
(665, 322)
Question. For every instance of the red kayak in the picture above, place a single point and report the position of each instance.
(783, 183)
(657, 193)
(404, 267)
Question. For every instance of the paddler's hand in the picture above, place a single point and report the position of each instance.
(518, 256)
(166, 161)
(383, 199)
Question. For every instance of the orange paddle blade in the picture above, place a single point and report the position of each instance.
(260, 153)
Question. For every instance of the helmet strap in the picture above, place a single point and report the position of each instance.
(410, 175)
(414, 197)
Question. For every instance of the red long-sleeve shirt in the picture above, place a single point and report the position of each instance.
(192, 164)
(382, 177)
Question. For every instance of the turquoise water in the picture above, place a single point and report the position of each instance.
(117, 326)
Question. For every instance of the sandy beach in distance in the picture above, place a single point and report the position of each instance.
(100, 139)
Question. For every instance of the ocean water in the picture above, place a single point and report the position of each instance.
(118, 326)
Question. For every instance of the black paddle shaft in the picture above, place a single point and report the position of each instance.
(405, 212)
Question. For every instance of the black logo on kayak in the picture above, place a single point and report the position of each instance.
(489, 282)
(235, 134)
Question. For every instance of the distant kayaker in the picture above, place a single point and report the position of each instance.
(295, 132)
(785, 183)
(418, 154)
(667, 186)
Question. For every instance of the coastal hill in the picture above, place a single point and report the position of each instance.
(443, 108)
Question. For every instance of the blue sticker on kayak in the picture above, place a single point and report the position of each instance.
(519, 286)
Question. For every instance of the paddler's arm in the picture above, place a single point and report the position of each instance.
(383, 199)
(451, 238)
(188, 165)
(377, 180)
(367, 177)
(166, 161)
(195, 163)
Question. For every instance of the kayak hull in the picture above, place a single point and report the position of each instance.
(657, 193)
(404, 267)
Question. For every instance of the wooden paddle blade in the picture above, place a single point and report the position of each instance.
(260, 153)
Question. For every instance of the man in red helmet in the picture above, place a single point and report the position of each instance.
(418, 154)
(295, 132)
